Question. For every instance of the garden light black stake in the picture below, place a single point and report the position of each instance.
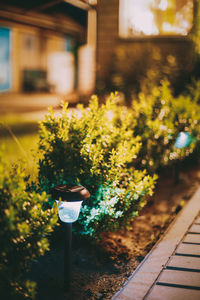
(68, 256)
(69, 200)
(184, 139)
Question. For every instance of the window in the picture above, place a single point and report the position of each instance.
(5, 67)
(155, 17)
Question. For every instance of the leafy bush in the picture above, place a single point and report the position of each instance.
(24, 229)
(160, 117)
(95, 148)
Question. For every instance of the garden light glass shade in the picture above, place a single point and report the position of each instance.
(68, 211)
(183, 140)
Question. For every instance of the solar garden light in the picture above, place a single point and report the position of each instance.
(69, 200)
(184, 139)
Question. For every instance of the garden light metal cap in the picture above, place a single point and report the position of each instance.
(72, 198)
(70, 193)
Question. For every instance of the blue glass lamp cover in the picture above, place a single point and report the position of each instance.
(68, 211)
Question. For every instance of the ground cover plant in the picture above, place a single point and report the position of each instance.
(25, 226)
(96, 149)
(19, 141)
(22, 147)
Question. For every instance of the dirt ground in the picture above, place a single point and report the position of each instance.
(99, 272)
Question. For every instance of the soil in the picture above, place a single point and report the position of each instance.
(99, 272)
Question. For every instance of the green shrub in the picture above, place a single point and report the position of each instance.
(97, 149)
(24, 229)
(160, 117)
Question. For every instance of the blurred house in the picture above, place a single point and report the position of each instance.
(75, 46)
(47, 46)
(137, 38)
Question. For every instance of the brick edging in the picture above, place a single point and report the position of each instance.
(145, 275)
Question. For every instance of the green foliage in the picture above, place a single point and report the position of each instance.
(24, 230)
(96, 148)
(107, 147)
(114, 206)
(160, 117)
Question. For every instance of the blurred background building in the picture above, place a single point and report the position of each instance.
(47, 46)
(76, 47)
(137, 39)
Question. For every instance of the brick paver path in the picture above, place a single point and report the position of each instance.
(171, 271)
(180, 279)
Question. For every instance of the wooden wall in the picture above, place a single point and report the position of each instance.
(107, 33)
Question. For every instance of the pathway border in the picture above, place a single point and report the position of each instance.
(145, 275)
